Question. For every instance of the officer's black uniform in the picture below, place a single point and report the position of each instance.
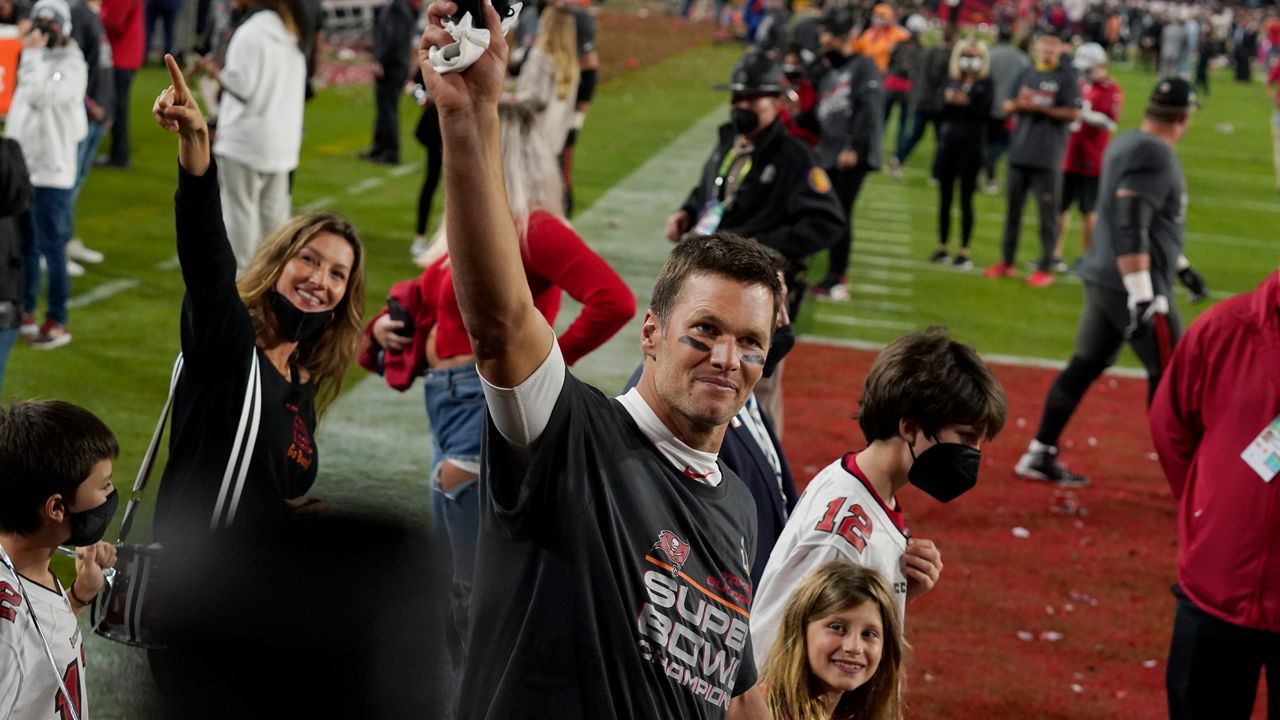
(784, 200)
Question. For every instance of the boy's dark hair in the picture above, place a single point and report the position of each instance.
(47, 448)
(722, 253)
(933, 381)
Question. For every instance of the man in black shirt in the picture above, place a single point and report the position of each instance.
(1046, 103)
(392, 38)
(1128, 271)
(613, 573)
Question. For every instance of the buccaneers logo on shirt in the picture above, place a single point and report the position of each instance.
(676, 550)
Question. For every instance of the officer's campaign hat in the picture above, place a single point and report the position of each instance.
(756, 73)
(1174, 93)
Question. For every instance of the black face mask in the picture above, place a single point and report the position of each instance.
(296, 325)
(835, 58)
(783, 340)
(744, 120)
(945, 471)
(88, 526)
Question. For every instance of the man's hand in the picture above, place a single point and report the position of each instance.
(90, 562)
(378, 72)
(922, 564)
(953, 96)
(677, 225)
(384, 331)
(847, 159)
(34, 39)
(1194, 282)
(176, 110)
(475, 89)
(1143, 315)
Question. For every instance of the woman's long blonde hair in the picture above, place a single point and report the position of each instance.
(558, 39)
(327, 356)
(529, 172)
(794, 692)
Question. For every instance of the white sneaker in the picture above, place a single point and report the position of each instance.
(29, 329)
(77, 251)
(839, 292)
(74, 269)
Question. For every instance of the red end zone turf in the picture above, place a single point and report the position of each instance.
(1071, 622)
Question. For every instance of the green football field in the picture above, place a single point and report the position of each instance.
(646, 137)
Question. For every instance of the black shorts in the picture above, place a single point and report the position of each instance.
(1081, 190)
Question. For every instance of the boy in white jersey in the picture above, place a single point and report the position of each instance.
(55, 489)
(927, 404)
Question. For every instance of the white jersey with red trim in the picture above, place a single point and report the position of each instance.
(28, 688)
(839, 517)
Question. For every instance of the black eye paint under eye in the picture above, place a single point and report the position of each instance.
(695, 344)
(753, 359)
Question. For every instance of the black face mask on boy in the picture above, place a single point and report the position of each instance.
(945, 471)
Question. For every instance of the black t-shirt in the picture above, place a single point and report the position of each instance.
(607, 583)
(1038, 141)
(1146, 165)
(218, 344)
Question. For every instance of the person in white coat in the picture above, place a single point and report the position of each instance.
(259, 120)
(47, 118)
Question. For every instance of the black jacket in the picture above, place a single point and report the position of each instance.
(15, 197)
(785, 201)
(850, 111)
(741, 454)
(392, 36)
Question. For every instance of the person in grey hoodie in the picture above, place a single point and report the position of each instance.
(850, 111)
(1008, 62)
(47, 118)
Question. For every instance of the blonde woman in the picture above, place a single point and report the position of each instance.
(839, 653)
(262, 357)
(966, 106)
(548, 82)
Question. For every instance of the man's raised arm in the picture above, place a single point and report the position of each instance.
(510, 338)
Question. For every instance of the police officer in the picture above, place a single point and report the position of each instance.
(760, 182)
(850, 114)
(1128, 271)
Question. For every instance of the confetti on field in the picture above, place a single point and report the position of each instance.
(1150, 664)
(1021, 532)
(1025, 636)
(1077, 688)
(1051, 636)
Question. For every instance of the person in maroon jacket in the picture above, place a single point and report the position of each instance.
(429, 336)
(122, 19)
(1216, 426)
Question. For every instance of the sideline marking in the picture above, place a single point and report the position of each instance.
(1014, 360)
(316, 205)
(865, 322)
(169, 263)
(885, 275)
(365, 185)
(402, 170)
(877, 248)
(102, 292)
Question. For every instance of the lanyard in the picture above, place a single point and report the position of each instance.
(725, 166)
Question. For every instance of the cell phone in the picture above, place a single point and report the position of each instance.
(397, 312)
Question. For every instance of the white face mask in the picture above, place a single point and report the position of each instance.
(970, 64)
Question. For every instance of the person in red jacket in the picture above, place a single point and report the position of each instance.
(122, 19)
(1215, 422)
(1082, 163)
(429, 335)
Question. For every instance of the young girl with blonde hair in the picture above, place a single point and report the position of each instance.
(839, 652)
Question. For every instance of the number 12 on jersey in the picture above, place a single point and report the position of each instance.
(855, 527)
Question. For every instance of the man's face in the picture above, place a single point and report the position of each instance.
(1048, 50)
(764, 106)
(711, 352)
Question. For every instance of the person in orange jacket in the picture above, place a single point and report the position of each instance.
(878, 40)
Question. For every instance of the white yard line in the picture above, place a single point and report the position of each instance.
(102, 292)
